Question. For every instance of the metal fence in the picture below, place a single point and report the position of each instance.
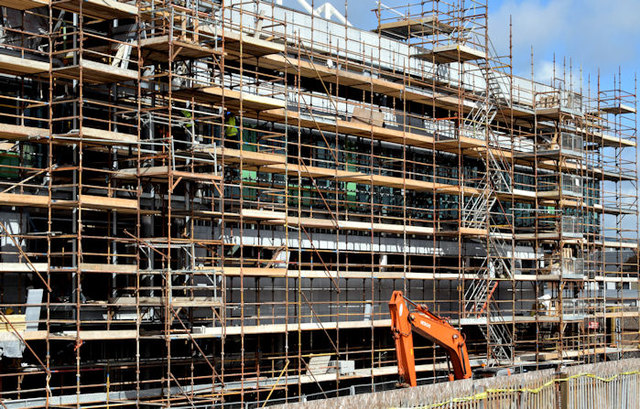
(596, 386)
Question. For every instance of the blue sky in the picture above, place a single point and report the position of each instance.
(595, 34)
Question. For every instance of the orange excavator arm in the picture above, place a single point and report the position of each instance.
(430, 326)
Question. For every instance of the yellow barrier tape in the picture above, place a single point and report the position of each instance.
(487, 392)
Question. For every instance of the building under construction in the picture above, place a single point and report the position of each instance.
(208, 203)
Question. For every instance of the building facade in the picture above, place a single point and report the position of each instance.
(209, 204)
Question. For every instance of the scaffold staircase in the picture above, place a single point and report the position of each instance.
(477, 207)
(475, 122)
(499, 337)
(474, 212)
(484, 211)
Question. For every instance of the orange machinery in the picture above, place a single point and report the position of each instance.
(423, 322)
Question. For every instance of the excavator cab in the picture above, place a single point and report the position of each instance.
(424, 323)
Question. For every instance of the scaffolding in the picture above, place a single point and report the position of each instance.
(209, 202)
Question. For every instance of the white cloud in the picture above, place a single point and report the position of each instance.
(544, 71)
(593, 33)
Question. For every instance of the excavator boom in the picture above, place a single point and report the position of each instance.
(430, 326)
